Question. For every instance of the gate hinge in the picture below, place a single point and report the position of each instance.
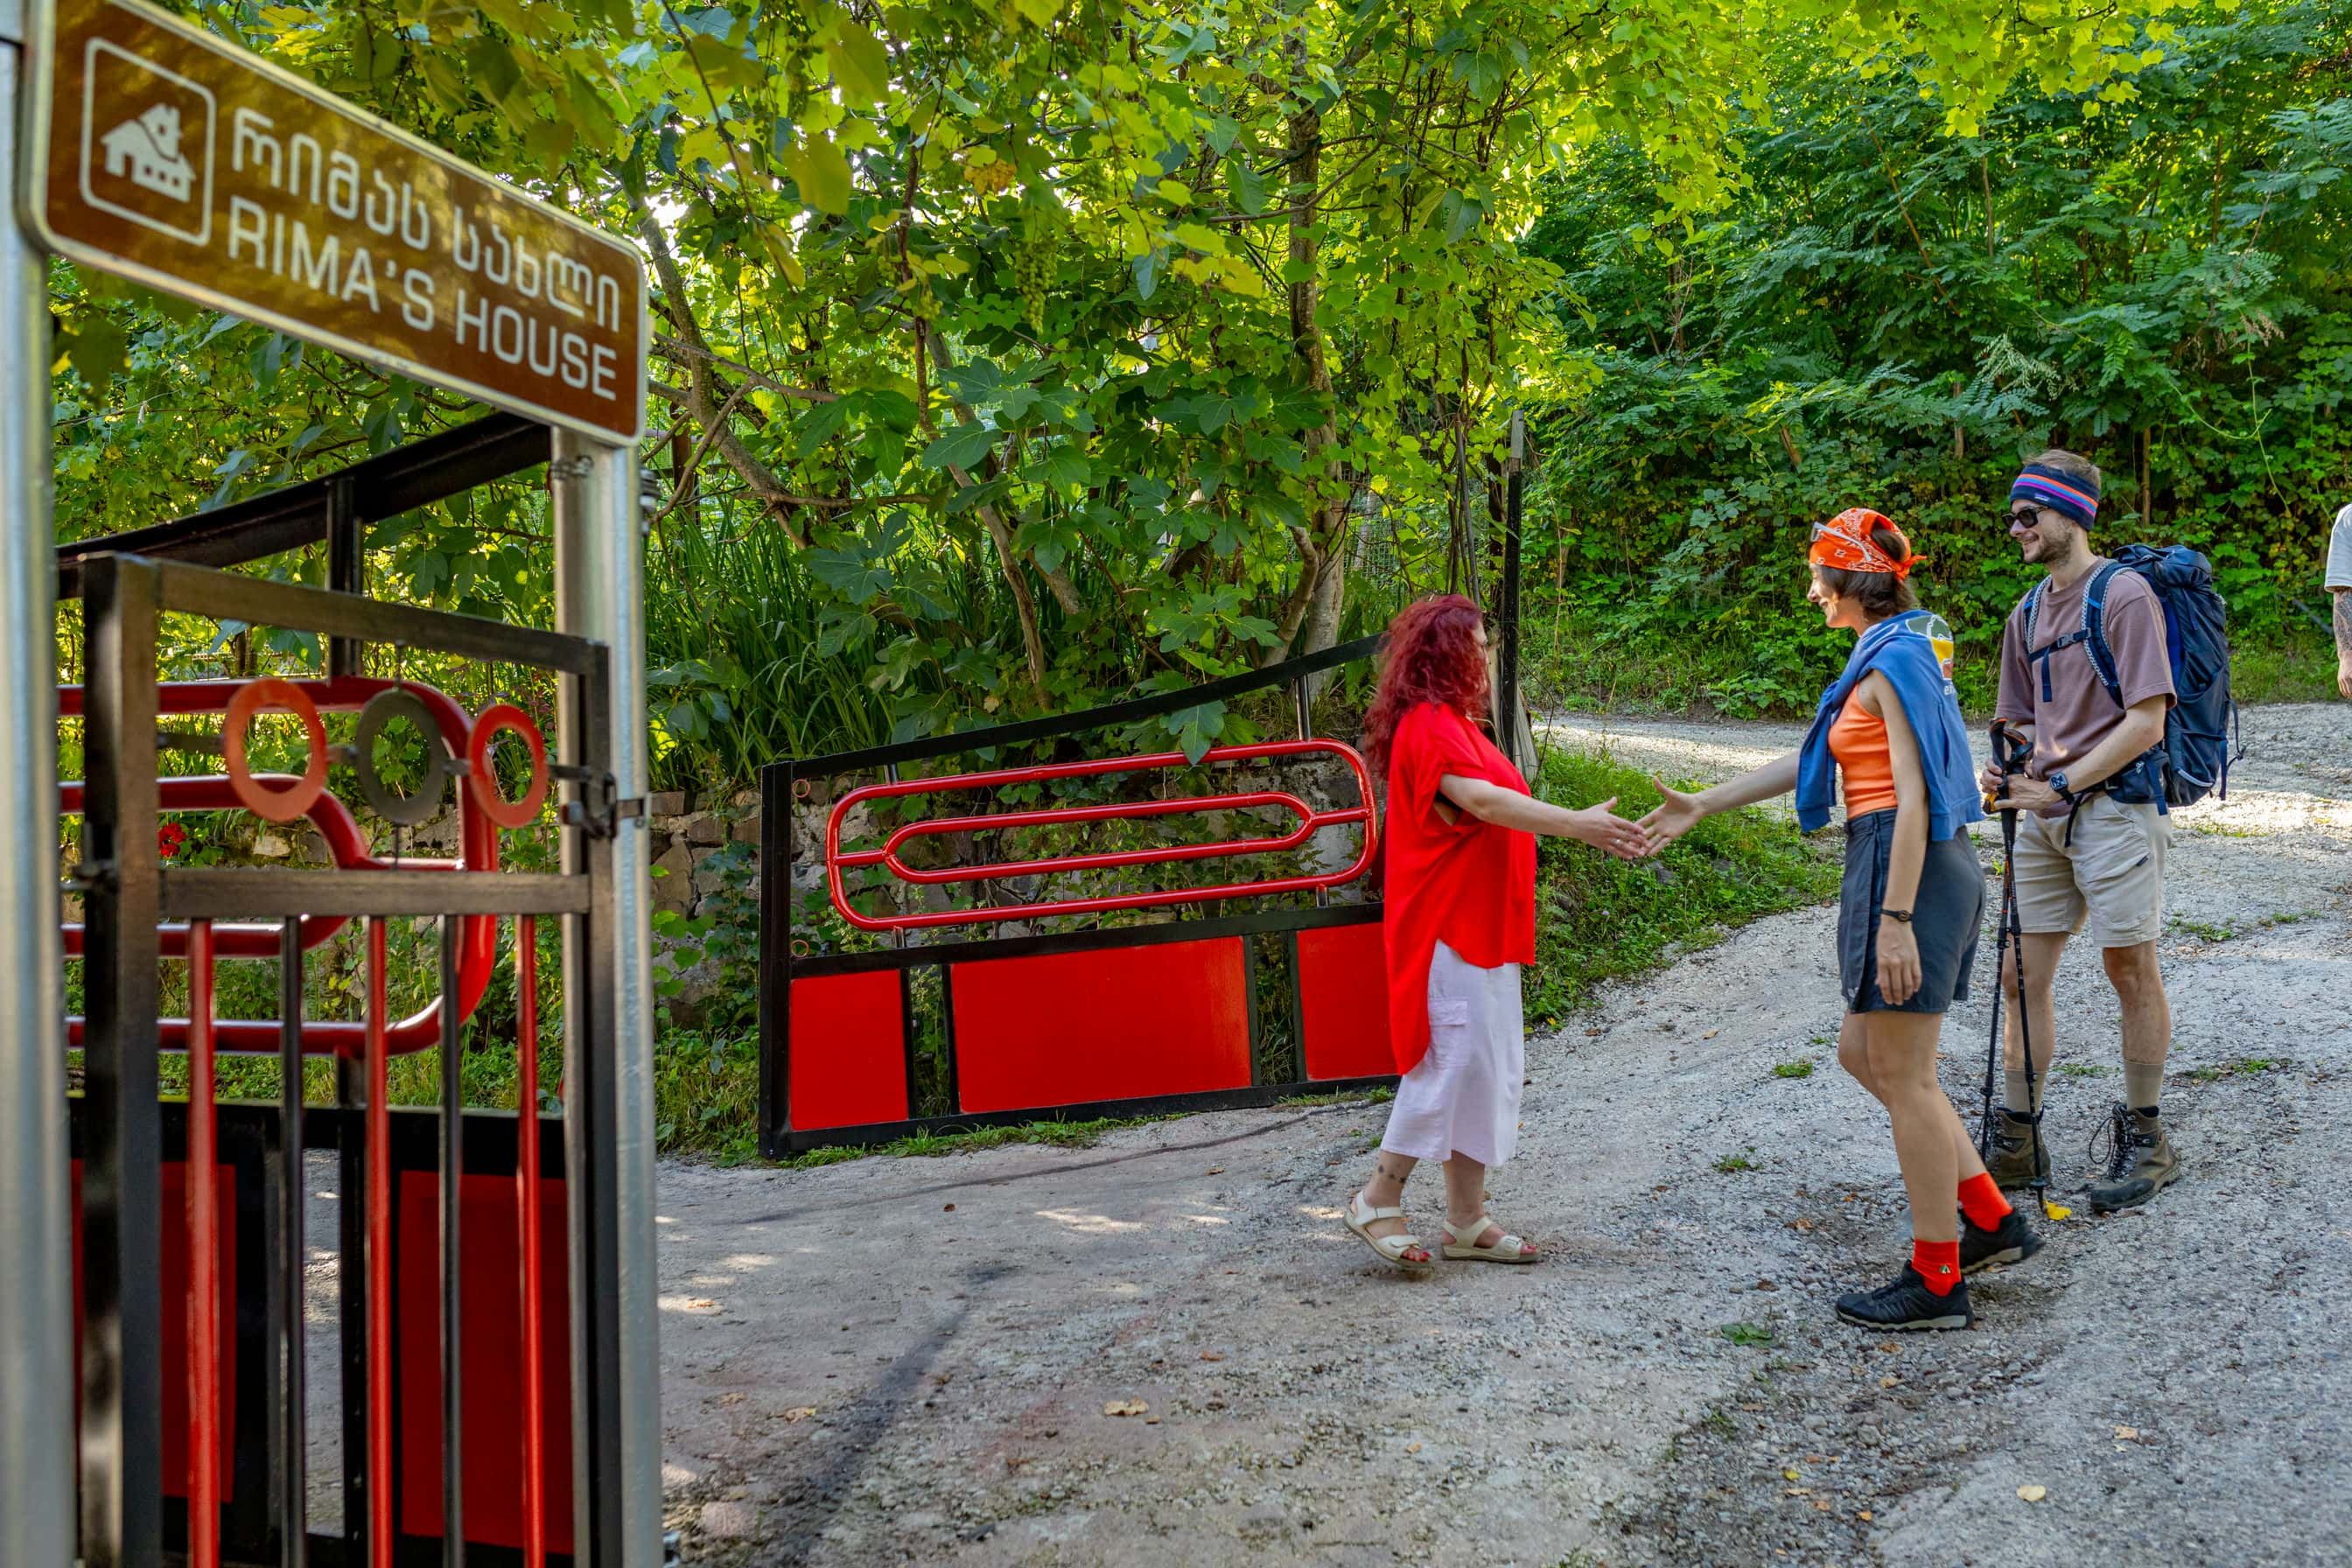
(97, 874)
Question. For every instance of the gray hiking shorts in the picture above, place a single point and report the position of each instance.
(1945, 917)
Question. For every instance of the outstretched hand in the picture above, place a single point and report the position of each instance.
(1674, 815)
(1601, 827)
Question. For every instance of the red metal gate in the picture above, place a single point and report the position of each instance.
(1247, 988)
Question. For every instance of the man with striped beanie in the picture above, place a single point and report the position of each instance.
(2090, 837)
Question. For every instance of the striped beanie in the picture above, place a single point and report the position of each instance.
(2074, 499)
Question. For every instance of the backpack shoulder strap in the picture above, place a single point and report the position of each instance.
(2033, 608)
(2094, 631)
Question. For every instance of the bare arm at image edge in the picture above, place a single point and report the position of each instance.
(2339, 583)
(2343, 641)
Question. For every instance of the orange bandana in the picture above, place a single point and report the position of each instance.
(1845, 542)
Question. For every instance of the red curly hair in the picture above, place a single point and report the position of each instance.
(1431, 656)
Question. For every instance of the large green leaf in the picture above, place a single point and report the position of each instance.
(860, 64)
(822, 175)
(962, 447)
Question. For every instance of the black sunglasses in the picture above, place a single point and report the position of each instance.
(2026, 514)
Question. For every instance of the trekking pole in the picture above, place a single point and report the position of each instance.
(1999, 734)
(2010, 754)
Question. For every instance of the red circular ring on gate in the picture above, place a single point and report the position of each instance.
(273, 803)
(505, 718)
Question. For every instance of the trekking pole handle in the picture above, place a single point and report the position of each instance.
(2011, 753)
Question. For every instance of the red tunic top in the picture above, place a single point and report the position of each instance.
(1471, 885)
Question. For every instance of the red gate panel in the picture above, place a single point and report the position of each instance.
(848, 1050)
(172, 1273)
(490, 1352)
(1070, 1028)
(1343, 997)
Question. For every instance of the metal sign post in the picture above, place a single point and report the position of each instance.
(36, 1391)
(146, 147)
(599, 593)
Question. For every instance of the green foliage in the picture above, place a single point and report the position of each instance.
(706, 1094)
(1018, 354)
(1890, 315)
(1600, 919)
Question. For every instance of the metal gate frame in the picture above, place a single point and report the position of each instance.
(780, 964)
(129, 891)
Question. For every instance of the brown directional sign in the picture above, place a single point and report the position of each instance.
(169, 157)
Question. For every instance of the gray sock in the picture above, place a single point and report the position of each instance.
(2018, 1097)
(2143, 1084)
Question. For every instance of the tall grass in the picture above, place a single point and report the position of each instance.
(739, 671)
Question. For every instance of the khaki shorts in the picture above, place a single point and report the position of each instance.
(2112, 872)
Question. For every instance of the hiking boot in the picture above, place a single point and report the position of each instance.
(1907, 1304)
(2018, 1159)
(2140, 1162)
(2011, 1241)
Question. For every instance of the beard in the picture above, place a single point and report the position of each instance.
(2049, 543)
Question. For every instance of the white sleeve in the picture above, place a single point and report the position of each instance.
(2339, 552)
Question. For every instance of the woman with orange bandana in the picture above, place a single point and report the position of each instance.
(1889, 727)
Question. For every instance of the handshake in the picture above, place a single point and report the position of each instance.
(1600, 826)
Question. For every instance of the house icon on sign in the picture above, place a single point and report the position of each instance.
(146, 150)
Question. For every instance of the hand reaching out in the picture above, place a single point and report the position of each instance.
(1601, 827)
(1675, 816)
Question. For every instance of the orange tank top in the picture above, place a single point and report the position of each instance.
(1858, 741)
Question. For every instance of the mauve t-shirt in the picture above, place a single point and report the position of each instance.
(2078, 713)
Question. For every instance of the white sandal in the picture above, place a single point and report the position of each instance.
(1458, 1239)
(1361, 1217)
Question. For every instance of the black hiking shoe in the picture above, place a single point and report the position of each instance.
(2013, 1240)
(2140, 1160)
(1907, 1304)
(2017, 1159)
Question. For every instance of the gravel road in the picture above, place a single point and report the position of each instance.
(894, 1361)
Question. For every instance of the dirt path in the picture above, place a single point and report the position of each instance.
(908, 1360)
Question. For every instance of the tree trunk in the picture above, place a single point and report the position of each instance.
(1317, 542)
(709, 398)
(1032, 644)
(1323, 615)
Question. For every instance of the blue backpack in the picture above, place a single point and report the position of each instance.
(2194, 759)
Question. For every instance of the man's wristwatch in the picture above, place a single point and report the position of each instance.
(2057, 781)
(1900, 916)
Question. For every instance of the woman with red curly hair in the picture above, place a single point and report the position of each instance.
(1460, 919)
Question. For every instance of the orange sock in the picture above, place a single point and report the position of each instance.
(1938, 1263)
(1980, 1199)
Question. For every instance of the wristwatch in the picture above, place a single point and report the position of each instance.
(1900, 916)
(2057, 781)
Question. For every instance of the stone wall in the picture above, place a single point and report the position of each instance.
(695, 843)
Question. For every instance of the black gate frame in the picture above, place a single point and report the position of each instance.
(121, 1130)
(780, 965)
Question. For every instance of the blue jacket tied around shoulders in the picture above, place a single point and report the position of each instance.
(1899, 650)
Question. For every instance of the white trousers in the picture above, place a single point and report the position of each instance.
(1462, 1098)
